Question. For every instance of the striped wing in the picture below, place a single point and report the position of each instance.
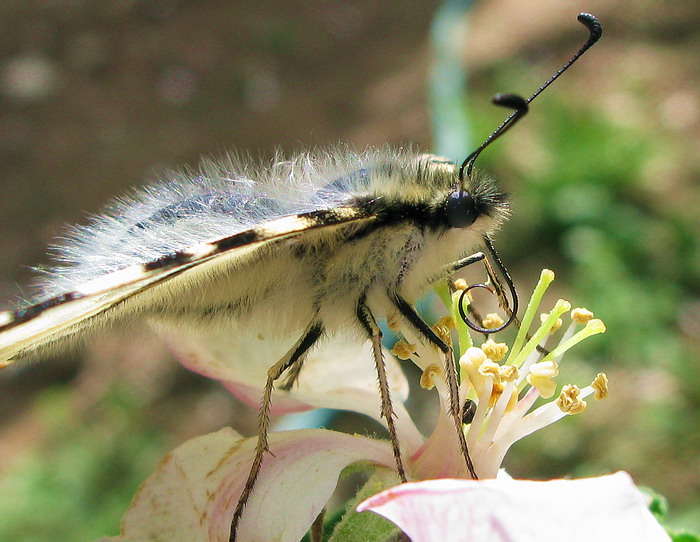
(26, 329)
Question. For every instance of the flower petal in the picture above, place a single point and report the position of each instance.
(339, 373)
(193, 493)
(603, 508)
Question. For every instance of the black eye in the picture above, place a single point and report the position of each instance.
(460, 210)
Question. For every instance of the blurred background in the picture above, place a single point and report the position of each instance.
(98, 97)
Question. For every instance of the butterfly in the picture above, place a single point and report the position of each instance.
(298, 249)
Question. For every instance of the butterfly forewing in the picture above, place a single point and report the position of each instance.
(26, 329)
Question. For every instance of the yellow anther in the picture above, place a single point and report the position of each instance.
(492, 369)
(403, 350)
(469, 365)
(496, 392)
(509, 373)
(461, 284)
(600, 386)
(569, 400)
(578, 407)
(495, 351)
(472, 358)
(446, 321)
(427, 378)
(393, 322)
(492, 321)
(545, 369)
(442, 329)
(545, 386)
(556, 325)
(595, 326)
(581, 315)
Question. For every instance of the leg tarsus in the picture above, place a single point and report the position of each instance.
(294, 356)
(368, 322)
(431, 337)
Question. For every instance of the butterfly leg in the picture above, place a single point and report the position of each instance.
(369, 324)
(460, 264)
(292, 376)
(295, 355)
(424, 330)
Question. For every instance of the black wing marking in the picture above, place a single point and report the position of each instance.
(33, 326)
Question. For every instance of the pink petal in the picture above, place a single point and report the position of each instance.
(606, 508)
(339, 373)
(440, 455)
(194, 491)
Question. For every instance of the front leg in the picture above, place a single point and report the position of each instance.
(429, 336)
(453, 267)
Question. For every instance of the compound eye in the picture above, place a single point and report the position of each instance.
(460, 210)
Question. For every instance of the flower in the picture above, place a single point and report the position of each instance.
(196, 487)
(602, 508)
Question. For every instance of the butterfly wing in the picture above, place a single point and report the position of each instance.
(40, 324)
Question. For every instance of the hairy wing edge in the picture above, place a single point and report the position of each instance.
(28, 328)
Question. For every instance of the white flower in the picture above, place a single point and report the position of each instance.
(605, 509)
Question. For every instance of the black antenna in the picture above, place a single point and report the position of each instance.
(520, 105)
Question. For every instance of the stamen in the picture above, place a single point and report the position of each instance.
(469, 365)
(541, 377)
(560, 307)
(461, 284)
(442, 329)
(472, 359)
(495, 351)
(509, 373)
(570, 401)
(498, 414)
(581, 315)
(593, 327)
(482, 408)
(492, 369)
(492, 321)
(546, 278)
(545, 369)
(555, 327)
(496, 392)
(403, 350)
(427, 378)
(600, 386)
(544, 386)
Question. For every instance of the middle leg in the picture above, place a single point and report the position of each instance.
(429, 336)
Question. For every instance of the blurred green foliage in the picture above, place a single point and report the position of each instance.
(79, 484)
(617, 245)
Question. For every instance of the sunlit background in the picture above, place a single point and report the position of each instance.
(98, 97)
